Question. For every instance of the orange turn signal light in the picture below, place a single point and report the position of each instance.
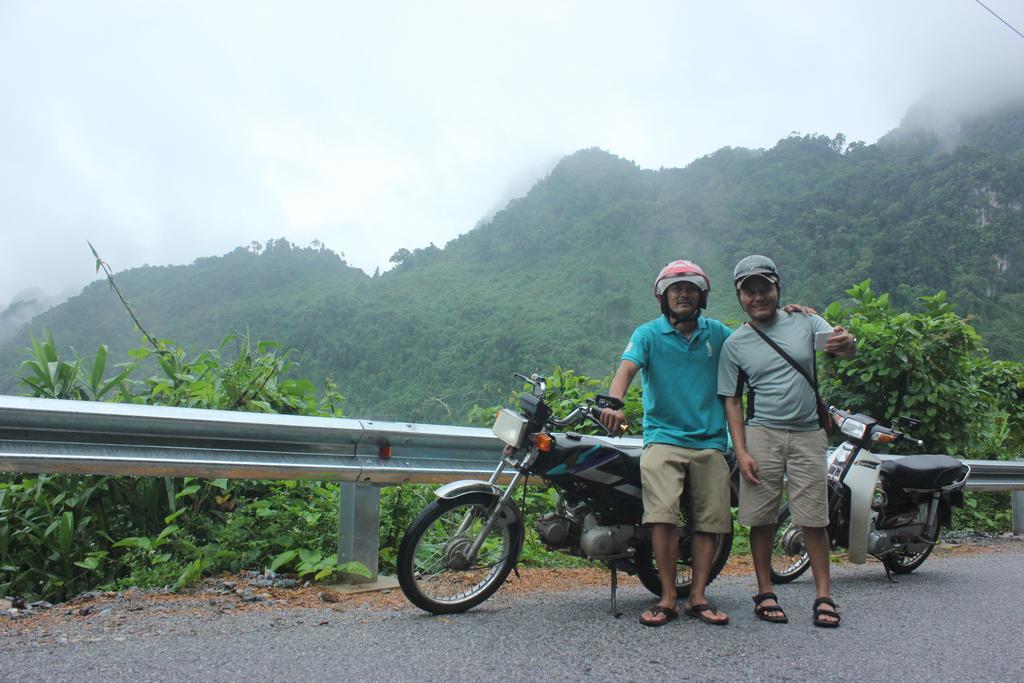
(885, 438)
(544, 442)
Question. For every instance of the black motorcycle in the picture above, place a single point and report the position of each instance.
(888, 506)
(462, 546)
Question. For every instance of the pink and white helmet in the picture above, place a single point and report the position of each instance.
(683, 271)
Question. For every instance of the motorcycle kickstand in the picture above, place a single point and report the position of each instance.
(615, 584)
(888, 573)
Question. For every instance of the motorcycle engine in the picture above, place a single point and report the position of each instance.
(557, 531)
(599, 542)
(572, 527)
(906, 538)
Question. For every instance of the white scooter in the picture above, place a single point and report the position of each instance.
(888, 506)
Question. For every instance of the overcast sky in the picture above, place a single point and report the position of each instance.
(166, 131)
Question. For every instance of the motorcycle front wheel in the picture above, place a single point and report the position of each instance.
(789, 557)
(434, 570)
(647, 568)
(904, 563)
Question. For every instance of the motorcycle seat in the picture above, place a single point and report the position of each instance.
(923, 471)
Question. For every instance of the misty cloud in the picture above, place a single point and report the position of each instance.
(163, 133)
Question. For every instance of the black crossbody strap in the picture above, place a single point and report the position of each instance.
(824, 420)
(788, 359)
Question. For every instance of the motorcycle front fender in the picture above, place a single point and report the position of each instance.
(508, 513)
(465, 487)
(861, 480)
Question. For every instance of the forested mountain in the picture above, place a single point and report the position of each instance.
(563, 274)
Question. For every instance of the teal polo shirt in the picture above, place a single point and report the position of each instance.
(680, 383)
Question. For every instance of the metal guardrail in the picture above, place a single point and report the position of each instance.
(82, 437)
(996, 475)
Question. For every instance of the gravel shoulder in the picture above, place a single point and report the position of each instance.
(92, 617)
(959, 617)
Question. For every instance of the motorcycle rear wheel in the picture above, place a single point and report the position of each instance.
(431, 558)
(789, 558)
(900, 563)
(647, 568)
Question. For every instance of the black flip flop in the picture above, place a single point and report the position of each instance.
(657, 610)
(697, 612)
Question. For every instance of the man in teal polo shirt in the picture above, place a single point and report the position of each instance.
(684, 432)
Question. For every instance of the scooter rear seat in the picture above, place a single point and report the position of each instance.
(923, 471)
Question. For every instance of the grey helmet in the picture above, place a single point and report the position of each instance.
(755, 265)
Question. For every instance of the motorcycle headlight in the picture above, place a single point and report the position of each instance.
(839, 455)
(853, 428)
(510, 427)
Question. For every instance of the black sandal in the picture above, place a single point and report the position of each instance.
(762, 610)
(819, 612)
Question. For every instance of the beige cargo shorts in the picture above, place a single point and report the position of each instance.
(664, 469)
(800, 457)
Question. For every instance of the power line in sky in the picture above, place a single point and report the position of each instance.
(1000, 18)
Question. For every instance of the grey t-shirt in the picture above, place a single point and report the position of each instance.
(783, 399)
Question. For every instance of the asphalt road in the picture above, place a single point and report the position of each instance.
(958, 618)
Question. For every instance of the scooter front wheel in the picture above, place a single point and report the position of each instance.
(436, 569)
(789, 556)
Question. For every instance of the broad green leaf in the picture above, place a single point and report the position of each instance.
(89, 563)
(188, 491)
(357, 568)
(282, 559)
(67, 531)
(191, 573)
(174, 515)
(141, 542)
(99, 365)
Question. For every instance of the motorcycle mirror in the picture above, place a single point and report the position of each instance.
(908, 422)
(537, 382)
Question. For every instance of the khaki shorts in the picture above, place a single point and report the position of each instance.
(800, 456)
(663, 472)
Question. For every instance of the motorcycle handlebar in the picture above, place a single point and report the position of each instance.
(916, 442)
(573, 418)
(579, 415)
(588, 411)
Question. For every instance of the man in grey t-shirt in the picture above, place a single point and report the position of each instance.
(781, 436)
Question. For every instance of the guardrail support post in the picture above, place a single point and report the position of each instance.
(358, 527)
(1017, 503)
